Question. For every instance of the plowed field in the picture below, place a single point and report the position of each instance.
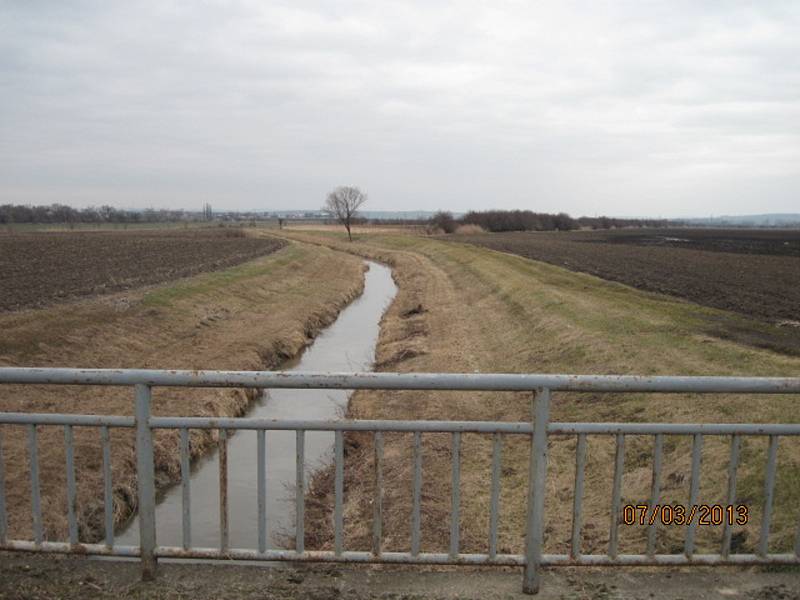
(752, 272)
(40, 269)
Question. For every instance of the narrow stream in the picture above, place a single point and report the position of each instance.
(347, 345)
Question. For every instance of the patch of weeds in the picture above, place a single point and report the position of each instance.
(209, 282)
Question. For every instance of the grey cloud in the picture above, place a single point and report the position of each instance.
(663, 109)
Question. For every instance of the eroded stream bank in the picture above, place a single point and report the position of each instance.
(346, 345)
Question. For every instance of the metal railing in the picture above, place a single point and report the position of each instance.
(538, 429)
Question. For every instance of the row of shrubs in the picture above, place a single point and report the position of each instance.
(527, 220)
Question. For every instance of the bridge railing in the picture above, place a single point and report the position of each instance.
(539, 429)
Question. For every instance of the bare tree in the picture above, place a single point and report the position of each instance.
(444, 220)
(342, 203)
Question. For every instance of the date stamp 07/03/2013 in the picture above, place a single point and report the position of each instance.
(678, 514)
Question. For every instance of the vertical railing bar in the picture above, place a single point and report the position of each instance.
(497, 448)
(537, 480)
(769, 490)
(415, 517)
(694, 489)
(108, 489)
(377, 508)
(146, 481)
(338, 491)
(797, 541)
(72, 494)
(733, 465)
(223, 491)
(3, 519)
(577, 499)
(186, 490)
(261, 460)
(655, 494)
(36, 502)
(455, 496)
(616, 495)
(300, 484)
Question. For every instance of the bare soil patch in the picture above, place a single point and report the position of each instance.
(774, 242)
(39, 577)
(751, 272)
(41, 269)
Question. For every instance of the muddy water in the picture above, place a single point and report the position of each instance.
(347, 345)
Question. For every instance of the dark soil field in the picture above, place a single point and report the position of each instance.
(752, 272)
(738, 241)
(40, 269)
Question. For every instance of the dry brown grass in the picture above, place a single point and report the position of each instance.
(468, 309)
(469, 229)
(249, 317)
(356, 229)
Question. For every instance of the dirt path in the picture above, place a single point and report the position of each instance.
(37, 577)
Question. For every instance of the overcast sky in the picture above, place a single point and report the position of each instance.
(640, 108)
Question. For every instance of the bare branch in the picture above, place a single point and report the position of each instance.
(343, 204)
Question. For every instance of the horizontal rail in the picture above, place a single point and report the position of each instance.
(325, 425)
(511, 560)
(404, 426)
(8, 418)
(476, 426)
(674, 428)
(67, 548)
(667, 560)
(404, 381)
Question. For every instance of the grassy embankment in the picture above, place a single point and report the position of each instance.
(463, 308)
(247, 317)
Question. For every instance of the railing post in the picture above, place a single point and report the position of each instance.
(536, 491)
(145, 470)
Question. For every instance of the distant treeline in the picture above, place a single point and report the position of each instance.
(407, 222)
(59, 213)
(526, 220)
(489, 220)
(519, 220)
